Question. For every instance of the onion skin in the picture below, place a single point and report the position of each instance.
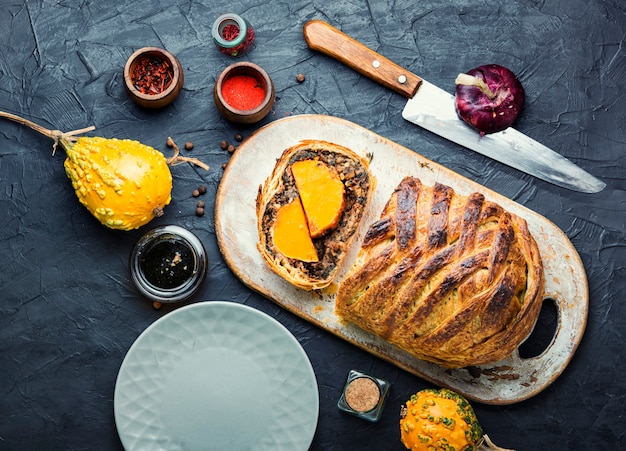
(489, 98)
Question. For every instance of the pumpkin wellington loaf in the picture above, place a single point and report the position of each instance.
(450, 279)
(309, 210)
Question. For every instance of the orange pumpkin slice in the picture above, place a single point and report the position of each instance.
(291, 233)
(322, 194)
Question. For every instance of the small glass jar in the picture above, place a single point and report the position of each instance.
(168, 264)
(232, 34)
(364, 396)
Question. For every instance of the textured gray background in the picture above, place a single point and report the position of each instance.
(68, 310)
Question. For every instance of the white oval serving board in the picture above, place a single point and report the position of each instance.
(505, 382)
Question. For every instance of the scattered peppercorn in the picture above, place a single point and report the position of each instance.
(223, 165)
(188, 145)
(195, 193)
(199, 211)
(300, 78)
(156, 305)
(238, 137)
(200, 204)
(231, 148)
(202, 189)
(224, 144)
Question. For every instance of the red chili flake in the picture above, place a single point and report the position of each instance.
(243, 92)
(230, 32)
(152, 75)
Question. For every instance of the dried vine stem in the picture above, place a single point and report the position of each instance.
(66, 138)
(57, 135)
(177, 158)
(487, 445)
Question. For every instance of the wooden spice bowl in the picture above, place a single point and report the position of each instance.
(171, 79)
(236, 113)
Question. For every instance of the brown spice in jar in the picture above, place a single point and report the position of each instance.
(362, 394)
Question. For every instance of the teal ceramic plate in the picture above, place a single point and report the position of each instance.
(215, 376)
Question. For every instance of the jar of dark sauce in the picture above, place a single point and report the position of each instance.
(168, 264)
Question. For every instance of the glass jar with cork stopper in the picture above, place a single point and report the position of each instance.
(363, 396)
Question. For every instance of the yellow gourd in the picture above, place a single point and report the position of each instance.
(442, 420)
(123, 183)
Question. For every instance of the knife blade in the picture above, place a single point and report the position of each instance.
(433, 109)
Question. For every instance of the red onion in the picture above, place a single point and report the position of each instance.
(489, 98)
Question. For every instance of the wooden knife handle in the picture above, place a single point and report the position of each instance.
(325, 38)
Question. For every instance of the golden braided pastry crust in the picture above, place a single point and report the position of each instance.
(453, 280)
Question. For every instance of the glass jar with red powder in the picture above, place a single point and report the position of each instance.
(232, 34)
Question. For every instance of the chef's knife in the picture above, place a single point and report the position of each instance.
(433, 109)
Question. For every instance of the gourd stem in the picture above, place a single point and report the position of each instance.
(66, 138)
(57, 135)
(178, 159)
(486, 444)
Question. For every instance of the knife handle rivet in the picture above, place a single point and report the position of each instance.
(402, 79)
(376, 64)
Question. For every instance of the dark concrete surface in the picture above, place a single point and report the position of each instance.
(68, 310)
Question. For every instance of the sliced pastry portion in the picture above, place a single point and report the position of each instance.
(309, 210)
(455, 280)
